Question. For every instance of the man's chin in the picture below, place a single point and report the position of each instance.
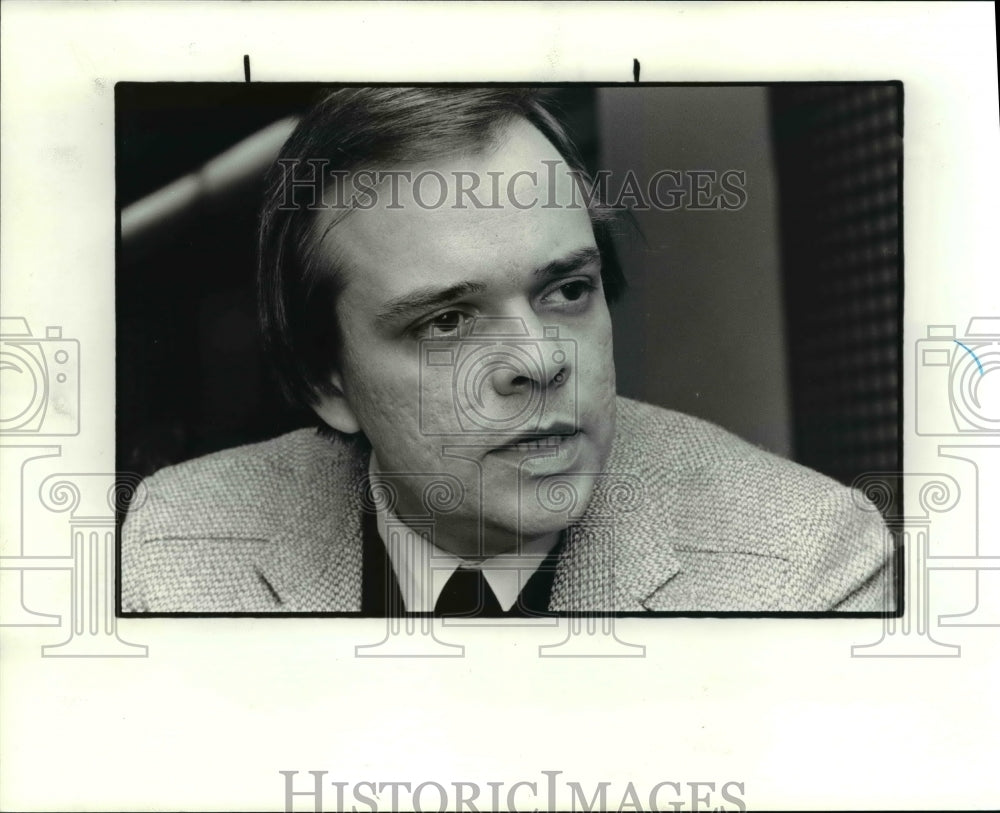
(546, 505)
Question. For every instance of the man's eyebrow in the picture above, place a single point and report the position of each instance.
(425, 298)
(573, 261)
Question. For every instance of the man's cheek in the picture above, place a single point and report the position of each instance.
(400, 418)
(383, 406)
(383, 416)
(441, 400)
(597, 365)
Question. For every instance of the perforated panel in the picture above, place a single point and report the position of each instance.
(838, 151)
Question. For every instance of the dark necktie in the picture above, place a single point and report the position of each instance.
(467, 593)
(381, 596)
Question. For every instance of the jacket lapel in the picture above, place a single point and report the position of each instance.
(313, 563)
(620, 552)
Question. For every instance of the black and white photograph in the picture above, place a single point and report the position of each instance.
(508, 349)
(401, 401)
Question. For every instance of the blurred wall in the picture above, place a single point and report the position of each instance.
(701, 329)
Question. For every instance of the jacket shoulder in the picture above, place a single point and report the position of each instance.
(285, 452)
(806, 540)
(195, 531)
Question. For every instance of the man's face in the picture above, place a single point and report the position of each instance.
(477, 343)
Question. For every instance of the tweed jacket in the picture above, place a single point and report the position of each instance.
(686, 518)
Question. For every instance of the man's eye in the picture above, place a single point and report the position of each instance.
(576, 290)
(449, 324)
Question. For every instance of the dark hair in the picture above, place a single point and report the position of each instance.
(354, 128)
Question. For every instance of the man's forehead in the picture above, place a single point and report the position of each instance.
(527, 211)
(517, 160)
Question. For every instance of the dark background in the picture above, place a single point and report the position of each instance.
(780, 322)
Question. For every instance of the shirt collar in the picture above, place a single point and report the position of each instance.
(422, 568)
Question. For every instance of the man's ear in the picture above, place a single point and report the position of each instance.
(334, 409)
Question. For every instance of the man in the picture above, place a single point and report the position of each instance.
(434, 283)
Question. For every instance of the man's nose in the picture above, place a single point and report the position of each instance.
(541, 364)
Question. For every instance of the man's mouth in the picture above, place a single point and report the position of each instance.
(550, 437)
